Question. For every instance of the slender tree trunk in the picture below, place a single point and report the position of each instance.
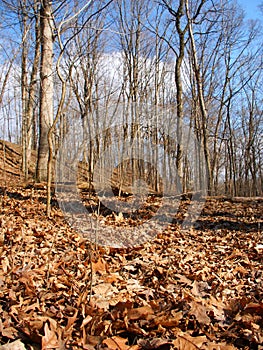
(24, 89)
(46, 88)
(181, 29)
(201, 102)
(179, 89)
(29, 90)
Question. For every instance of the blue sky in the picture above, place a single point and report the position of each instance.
(251, 8)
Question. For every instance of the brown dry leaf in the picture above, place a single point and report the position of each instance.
(9, 332)
(92, 341)
(117, 342)
(33, 327)
(216, 308)
(168, 322)
(241, 270)
(113, 278)
(118, 217)
(104, 295)
(16, 345)
(51, 339)
(144, 312)
(99, 266)
(236, 253)
(104, 289)
(70, 323)
(220, 346)
(199, 311)
(5, 264)
(186, 342)
(86, 320)
(195, 289)
(254, 308)
(155, 343)
(183, 279)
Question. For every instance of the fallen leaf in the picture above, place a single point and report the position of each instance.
(119, 343)
(254, 308)
(51, 339)
(187, 342)
(145, 312)
(9, 332)
(155, 343)
(99, 266)
(199, 311)
(16, 345)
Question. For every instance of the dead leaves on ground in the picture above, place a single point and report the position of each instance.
(188, 289)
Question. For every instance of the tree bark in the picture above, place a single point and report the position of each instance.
(181, 29)
(46, 88)
(203, 110)
(28, 91)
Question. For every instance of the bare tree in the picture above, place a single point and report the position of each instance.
(29, 84)
(46, 109)
(181, 27)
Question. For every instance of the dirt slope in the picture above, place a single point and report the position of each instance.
(10, 164)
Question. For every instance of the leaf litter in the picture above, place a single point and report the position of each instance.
(196, 288)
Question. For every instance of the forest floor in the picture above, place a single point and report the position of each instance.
(196, 288)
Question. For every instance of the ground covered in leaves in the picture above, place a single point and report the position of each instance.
(198, 288)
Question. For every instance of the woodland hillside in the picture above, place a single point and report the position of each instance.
(10, 164)
(131, 175)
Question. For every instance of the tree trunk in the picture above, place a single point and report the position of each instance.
(203, 110)
(28, 91)
(179, 89)
(46, 88)
(24, 88)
